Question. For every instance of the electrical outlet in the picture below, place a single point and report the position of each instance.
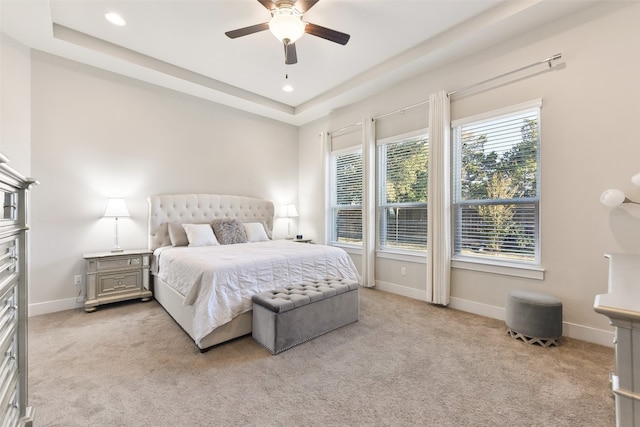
(77, 280)
(403, 271)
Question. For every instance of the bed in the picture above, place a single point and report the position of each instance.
(207, 289)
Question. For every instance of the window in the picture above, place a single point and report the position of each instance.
(346, 195)
(496, 186)
(402, 192)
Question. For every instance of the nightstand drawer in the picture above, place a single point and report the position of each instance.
(114, 283)
(118, 263)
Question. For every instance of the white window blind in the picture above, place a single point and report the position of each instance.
(402, 193)
(346, 194)
(496, 186)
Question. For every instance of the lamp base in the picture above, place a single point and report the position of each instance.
(117, 250)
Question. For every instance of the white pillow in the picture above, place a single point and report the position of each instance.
(255, 232)
(177, 235)
(200, 235)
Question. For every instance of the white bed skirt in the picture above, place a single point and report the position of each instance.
(172, 300)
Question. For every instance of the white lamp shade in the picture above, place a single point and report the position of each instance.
(636, 179)
(612, 197)
(116, 208)
(288, 211)
(285, 25)
(291, 211)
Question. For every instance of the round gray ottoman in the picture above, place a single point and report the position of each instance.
(534, 317)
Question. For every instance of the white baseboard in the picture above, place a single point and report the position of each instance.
(587, 333)
(53, 306)
(418, 294)
(474, 307)
(571, 330)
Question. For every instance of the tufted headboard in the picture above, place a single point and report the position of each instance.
(202, 208)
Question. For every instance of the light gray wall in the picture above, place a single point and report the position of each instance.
(589, 143)
(15, 107)
(311, 181)
(96, 134)
(15, 103)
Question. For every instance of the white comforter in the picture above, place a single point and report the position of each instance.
(219, 281)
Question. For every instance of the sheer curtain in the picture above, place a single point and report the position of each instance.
(439, 200)
(325, 140)
(368, 202)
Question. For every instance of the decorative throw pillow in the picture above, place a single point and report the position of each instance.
(200, 235)
(177, 235)
(229, 231)
(264, 224)
(255, 232)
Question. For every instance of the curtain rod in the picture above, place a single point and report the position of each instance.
(402, 110)
(547, 61)
(346, 127)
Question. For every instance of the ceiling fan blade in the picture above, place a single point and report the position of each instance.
(247, 30)
(304, 5)
(267, 3)
(290, 54)
(326, 33)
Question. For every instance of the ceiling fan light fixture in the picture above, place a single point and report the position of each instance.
(286, 24)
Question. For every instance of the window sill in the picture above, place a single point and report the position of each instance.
(524, 271)
(406, 256)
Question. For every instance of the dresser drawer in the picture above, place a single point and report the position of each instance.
(8, 265)
(119, 282)
(8, 328)
(9, 377)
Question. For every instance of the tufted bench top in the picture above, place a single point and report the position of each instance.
(534, 298)
(284, 299)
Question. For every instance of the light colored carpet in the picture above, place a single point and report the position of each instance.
(404, 363)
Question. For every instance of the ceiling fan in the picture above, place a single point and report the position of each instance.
(287, 25)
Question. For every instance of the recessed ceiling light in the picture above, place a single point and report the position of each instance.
(115, 19)
(287, 88)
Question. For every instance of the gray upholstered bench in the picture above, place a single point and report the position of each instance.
(285, 317)
(534, 317)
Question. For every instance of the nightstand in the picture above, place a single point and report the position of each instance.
(116, 276)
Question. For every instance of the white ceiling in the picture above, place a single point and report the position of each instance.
(180, 44)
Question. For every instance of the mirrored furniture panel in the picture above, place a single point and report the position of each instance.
(14, 404)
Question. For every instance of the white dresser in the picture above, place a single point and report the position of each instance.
(14, 189)
(622, 305)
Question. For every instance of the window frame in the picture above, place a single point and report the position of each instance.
(496, 264)
(381, 187)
